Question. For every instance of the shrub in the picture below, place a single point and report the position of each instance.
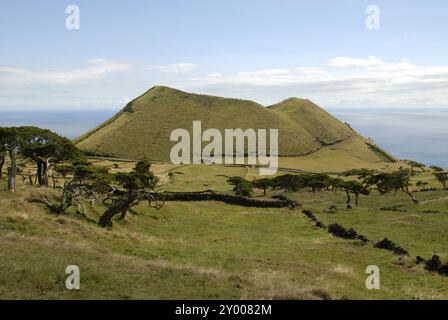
(241, 186)
(391, 246)
(263, 184)
(340, 231)
(433, 264)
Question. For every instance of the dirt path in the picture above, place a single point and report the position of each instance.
(433, 200)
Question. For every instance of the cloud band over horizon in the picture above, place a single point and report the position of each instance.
(340, 82)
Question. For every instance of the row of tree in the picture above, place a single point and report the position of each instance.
(384, 182)
(295, 182)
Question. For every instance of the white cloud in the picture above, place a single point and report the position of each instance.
(352, 62)
(311, 70)
(97, 69)
(181, 67)
(343, 81)
(267, 72)
(102, 83)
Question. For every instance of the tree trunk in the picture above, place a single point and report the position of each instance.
(348, 198)
(2, 162)
(12, 170)
(54, 179)
(356, 198)
(105, 219)
(45, 172)
(119, 207)
(66, 199)
(123, 213)
(414, 200)
(39, 172)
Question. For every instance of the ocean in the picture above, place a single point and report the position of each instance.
(417, 134)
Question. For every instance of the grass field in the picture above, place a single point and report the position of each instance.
(214, 250)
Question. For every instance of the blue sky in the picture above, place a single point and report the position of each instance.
(261, 50)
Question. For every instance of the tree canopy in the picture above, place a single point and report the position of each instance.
(241, 186)
(42, 146)
(355, 187)
(395, 181)
(46, 148)
(442, 177)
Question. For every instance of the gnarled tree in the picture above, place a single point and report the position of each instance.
(46, 148)
(395, 181)
(11, 140)
(131, 189)
(89, 183)
(356, 188)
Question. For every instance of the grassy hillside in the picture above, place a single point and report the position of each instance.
(143, 127)
(353, 152)
(210, 250)
(315, 120)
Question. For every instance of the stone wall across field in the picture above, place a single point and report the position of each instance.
(229, 199)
